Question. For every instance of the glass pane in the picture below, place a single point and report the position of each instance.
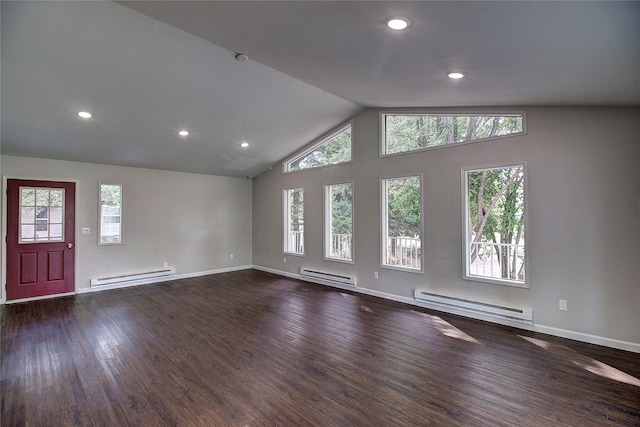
(42, 215)
(56, 216)
(495, 225)
(331, 150)
(414, 131)
(341, 221)
(41, 212)
(42, 232)
(294, 239)
(28, 216)
(403, 227)
(55, 232)
(42, 197)
(110, 207)
(56, 197)
(28, 232)
(28, 197)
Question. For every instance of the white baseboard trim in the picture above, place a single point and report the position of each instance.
(208, 272)
(549, 330)
(588, 338)
(162, 279)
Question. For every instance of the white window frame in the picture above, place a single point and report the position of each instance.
(466, 231)
(328, 215)
(121, 231)
(384, 219)
(286, 215)
(286, 165)
(445, 113)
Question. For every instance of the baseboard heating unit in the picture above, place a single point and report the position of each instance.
(522, 315)
(147, 277)
(328, 277)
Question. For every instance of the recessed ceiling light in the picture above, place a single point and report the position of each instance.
(85, 114)
(456, 76)
(241, 57)
(398, 23)
(244, 145)
(183, 133)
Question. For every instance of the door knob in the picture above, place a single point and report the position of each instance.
(69, 245)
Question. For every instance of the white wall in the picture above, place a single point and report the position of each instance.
(192, 221)
(584, 218)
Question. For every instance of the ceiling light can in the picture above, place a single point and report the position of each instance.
(456, 75)
(241, 57)
(183, 133)
(398, 23)
(85, 114)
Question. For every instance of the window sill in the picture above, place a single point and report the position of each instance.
(494, 281)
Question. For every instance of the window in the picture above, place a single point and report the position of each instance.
(41, 215)
(410, 132)
(332, 149)
(294, 221)
(495, 224)
(402, 223)
(338, 221)
(110, 214)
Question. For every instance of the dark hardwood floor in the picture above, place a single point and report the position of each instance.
(254, 349)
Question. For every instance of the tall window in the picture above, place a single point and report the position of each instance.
(294, 221)
(495, 224)
(331, 149)
(338, 221)
(410, 132)
(402, 223)
(110, 214)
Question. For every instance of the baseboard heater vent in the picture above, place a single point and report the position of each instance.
(329, 277)
(522, 315)
(149, 277)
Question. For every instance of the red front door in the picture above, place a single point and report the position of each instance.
(40, 238)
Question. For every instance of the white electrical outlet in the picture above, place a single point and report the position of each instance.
(285, 260)
(86, 230)
(563, 304)
(375, 274)
(230, 256)
(166, 264)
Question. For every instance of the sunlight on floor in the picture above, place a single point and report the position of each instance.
(446, 328)
(586, 363)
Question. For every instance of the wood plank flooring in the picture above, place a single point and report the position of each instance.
(250, 348)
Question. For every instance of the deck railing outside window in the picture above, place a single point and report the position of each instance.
(341, 246)
(489, 260)
(295, 243)
(404, 252)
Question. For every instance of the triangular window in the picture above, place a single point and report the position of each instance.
(332, 149)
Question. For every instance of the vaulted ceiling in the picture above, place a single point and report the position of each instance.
(148, 69)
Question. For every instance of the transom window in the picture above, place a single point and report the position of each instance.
(41, 215)
(402, 223)
(338, 219)
(294, 221)
(495, 225)
(332, 149)
(409, 132)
